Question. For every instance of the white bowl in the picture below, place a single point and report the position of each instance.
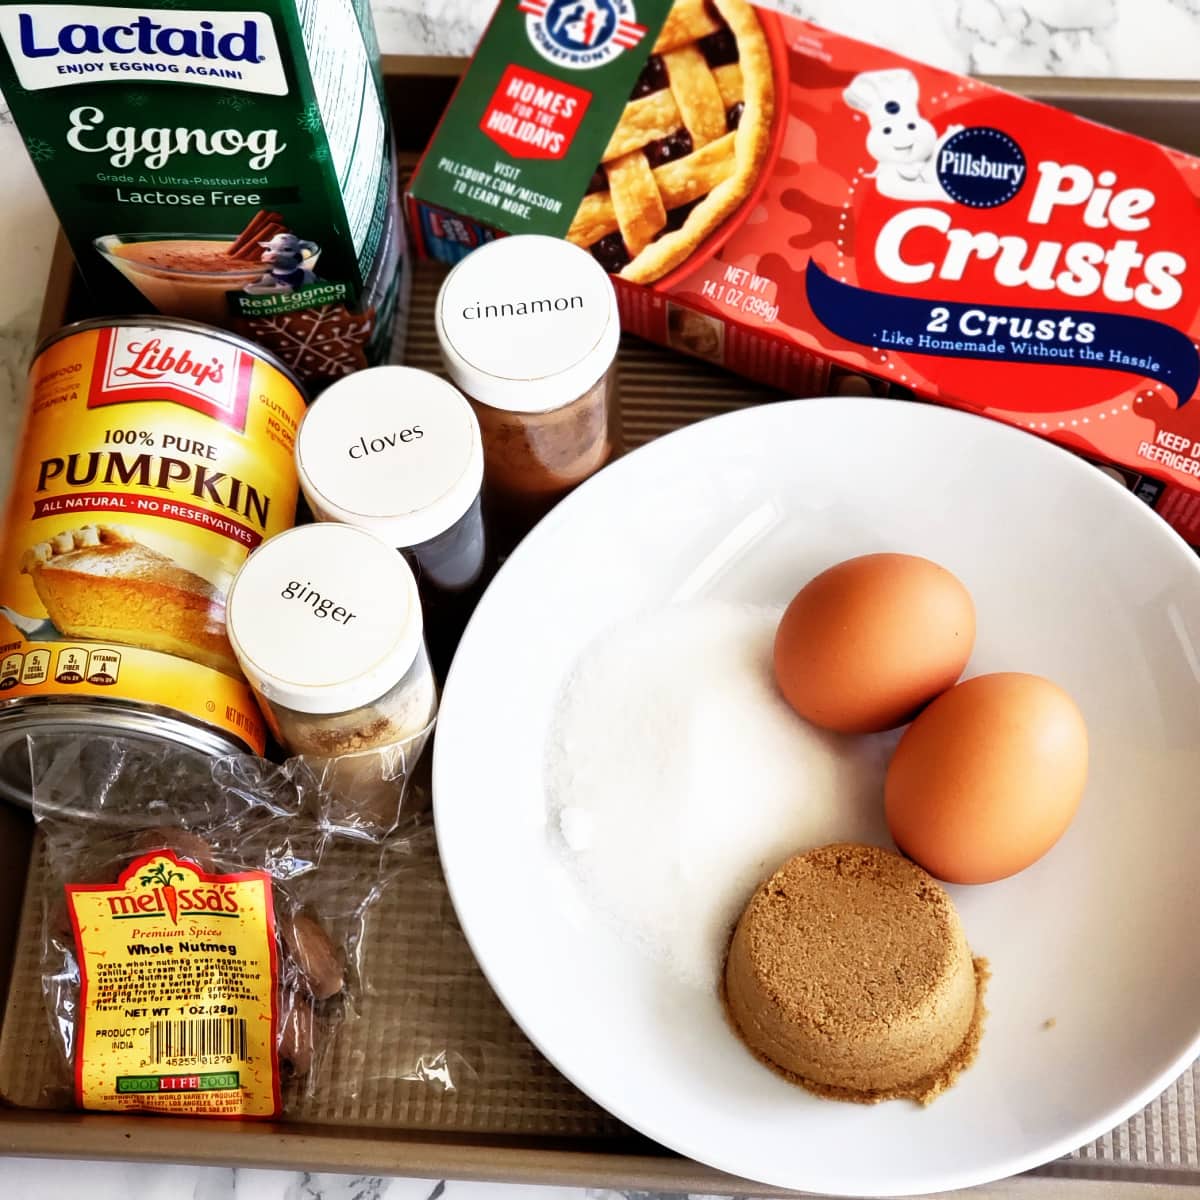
(1073, 578)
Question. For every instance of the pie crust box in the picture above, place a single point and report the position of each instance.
(794, 205)
(154, 458)
(226, 163)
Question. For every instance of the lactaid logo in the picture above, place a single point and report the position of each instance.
(581, 33)
(981, 167)
(56, 45)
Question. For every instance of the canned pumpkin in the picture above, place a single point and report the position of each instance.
(156, 455)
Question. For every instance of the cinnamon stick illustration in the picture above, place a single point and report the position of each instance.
(264, 225)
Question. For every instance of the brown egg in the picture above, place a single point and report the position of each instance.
(988, 777)
(868, 643)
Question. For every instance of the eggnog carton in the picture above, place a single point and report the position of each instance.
(791, 204)
(228, 162)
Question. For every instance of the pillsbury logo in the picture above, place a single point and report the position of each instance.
(581, 33)
(56, 45)
(981, 167)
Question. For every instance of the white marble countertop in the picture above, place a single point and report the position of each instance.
(1155, 39)
(24, 1179)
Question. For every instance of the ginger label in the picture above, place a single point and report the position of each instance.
(178, 972)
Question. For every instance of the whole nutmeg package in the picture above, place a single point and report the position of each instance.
(202, 932)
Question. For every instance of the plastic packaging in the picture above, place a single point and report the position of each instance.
(413, 1012)
(197, 826)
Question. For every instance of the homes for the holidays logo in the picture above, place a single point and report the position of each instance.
(56, 45)
(581, 33)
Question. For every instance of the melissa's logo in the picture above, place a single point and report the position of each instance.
(581, 33)
(160, 885)
(55, 45)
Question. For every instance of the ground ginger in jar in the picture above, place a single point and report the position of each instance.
(326, 623)
(528, 329)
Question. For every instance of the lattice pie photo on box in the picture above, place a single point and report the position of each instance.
(689, 145)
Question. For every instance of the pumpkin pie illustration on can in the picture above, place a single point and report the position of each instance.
(156, 455)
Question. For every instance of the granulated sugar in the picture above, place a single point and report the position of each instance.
(678, 778)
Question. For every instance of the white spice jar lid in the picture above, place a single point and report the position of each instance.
(527, 323)
(391, 449)
(324, 618)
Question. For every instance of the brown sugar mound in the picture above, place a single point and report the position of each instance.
(849, 973)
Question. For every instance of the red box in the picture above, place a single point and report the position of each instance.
(962, 244)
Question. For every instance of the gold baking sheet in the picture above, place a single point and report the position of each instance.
(429, 996)
(514, 1118)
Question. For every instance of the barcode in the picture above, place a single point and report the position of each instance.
(198, 1039)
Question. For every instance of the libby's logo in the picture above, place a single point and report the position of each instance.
(51, 46)
(202, 373)
(153, 360)
(581, 33)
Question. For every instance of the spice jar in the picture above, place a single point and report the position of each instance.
(397, 451)
(325, 621)
(528, 329)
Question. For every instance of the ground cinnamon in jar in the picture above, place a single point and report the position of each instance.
(528, 329)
